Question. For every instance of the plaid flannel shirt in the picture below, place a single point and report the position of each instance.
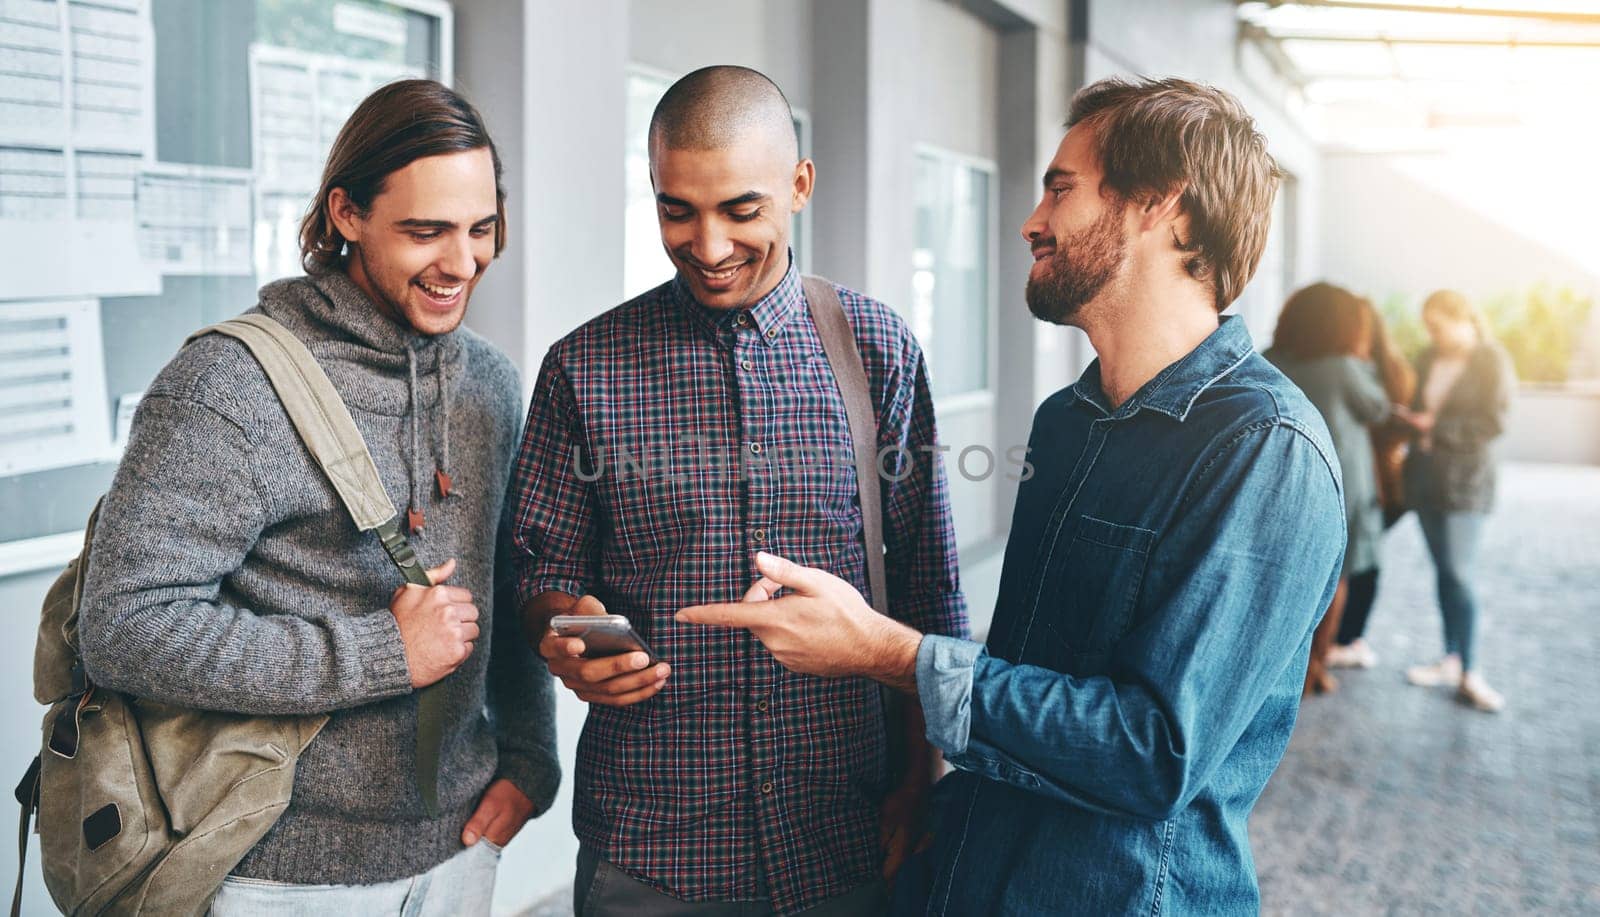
(666, 444)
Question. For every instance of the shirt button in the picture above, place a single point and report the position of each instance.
(762, 705)
(755, 448)
(766, 787)
(760, 535)
(743, 320)
(772, 332)
(747, 365)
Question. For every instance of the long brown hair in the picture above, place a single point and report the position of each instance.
(1394, 370)
(1322, 320)
(393, 127)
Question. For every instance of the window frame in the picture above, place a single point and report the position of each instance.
(983, 397)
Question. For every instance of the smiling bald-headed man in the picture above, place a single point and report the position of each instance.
(711, 780)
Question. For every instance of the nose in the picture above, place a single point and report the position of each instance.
(458, 260)
(1035, 226)
(711, 244)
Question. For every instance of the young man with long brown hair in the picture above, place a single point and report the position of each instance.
(226, 575)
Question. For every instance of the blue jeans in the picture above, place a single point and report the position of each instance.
(1453, 542)
(462, 885)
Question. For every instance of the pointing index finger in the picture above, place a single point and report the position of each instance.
(726, 614)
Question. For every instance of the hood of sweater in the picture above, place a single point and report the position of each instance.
(341, 324)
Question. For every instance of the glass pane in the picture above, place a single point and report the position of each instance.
(950, 270)
(644, 264)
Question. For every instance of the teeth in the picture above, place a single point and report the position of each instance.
(720, 275)
(441, 292)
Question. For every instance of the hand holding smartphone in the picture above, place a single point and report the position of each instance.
(602, 635)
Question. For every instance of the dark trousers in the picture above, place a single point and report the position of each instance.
(1358, 606)
(602, 890)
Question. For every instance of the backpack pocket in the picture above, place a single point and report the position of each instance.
(101, 822)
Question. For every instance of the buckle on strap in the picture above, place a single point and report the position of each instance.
(399, 550)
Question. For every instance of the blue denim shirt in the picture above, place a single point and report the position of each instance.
(1167, 564)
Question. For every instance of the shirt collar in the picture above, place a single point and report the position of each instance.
(1174, 390)
(767, 316)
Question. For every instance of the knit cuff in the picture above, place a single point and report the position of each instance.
(528, 587)
(537, 775)
(382, 654)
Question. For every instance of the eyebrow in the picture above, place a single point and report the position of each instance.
(1054, 174)
(749, 197)
(489, 220)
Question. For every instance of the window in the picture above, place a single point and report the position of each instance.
(952, 270)
(645, 264)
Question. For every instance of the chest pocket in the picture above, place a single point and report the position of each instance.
(1095, 586)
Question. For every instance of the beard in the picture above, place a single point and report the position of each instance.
(1080, 268)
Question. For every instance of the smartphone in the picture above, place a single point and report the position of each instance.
(602, 635)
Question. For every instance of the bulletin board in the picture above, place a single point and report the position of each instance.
(156, 157)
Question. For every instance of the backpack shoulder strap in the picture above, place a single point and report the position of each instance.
(325, 426)
(839, 344)
(317, 412)
(320, 417)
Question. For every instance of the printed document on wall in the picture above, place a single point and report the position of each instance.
(76, 123)
(196, 219)
(52, 386)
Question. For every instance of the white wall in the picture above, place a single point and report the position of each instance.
(1385, 232)
(677, 36)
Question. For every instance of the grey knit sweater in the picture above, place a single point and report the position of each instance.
(226, 575)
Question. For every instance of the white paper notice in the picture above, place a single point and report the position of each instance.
(196, 219)
(52, 386)
(76, 125)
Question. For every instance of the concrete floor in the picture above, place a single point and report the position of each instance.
(1395, 799)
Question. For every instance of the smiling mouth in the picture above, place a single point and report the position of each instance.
(720, 275)
(439, 295)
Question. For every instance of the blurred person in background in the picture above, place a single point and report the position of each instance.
(1389, 441)
(1463, 392)
(1323, 343)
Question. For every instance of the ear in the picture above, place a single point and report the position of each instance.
(805, 176)
(1159, 210)
(344, 215)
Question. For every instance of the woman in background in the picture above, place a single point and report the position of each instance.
(1323, 344)
(1464, 386)
(1389, 441)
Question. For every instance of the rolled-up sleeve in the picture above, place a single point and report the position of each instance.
(944, 686)
(919, 533)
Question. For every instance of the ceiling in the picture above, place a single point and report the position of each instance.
(1429, 74)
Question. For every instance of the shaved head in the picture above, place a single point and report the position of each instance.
(716, 107)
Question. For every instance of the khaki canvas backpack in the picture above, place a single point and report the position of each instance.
(144, 807)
